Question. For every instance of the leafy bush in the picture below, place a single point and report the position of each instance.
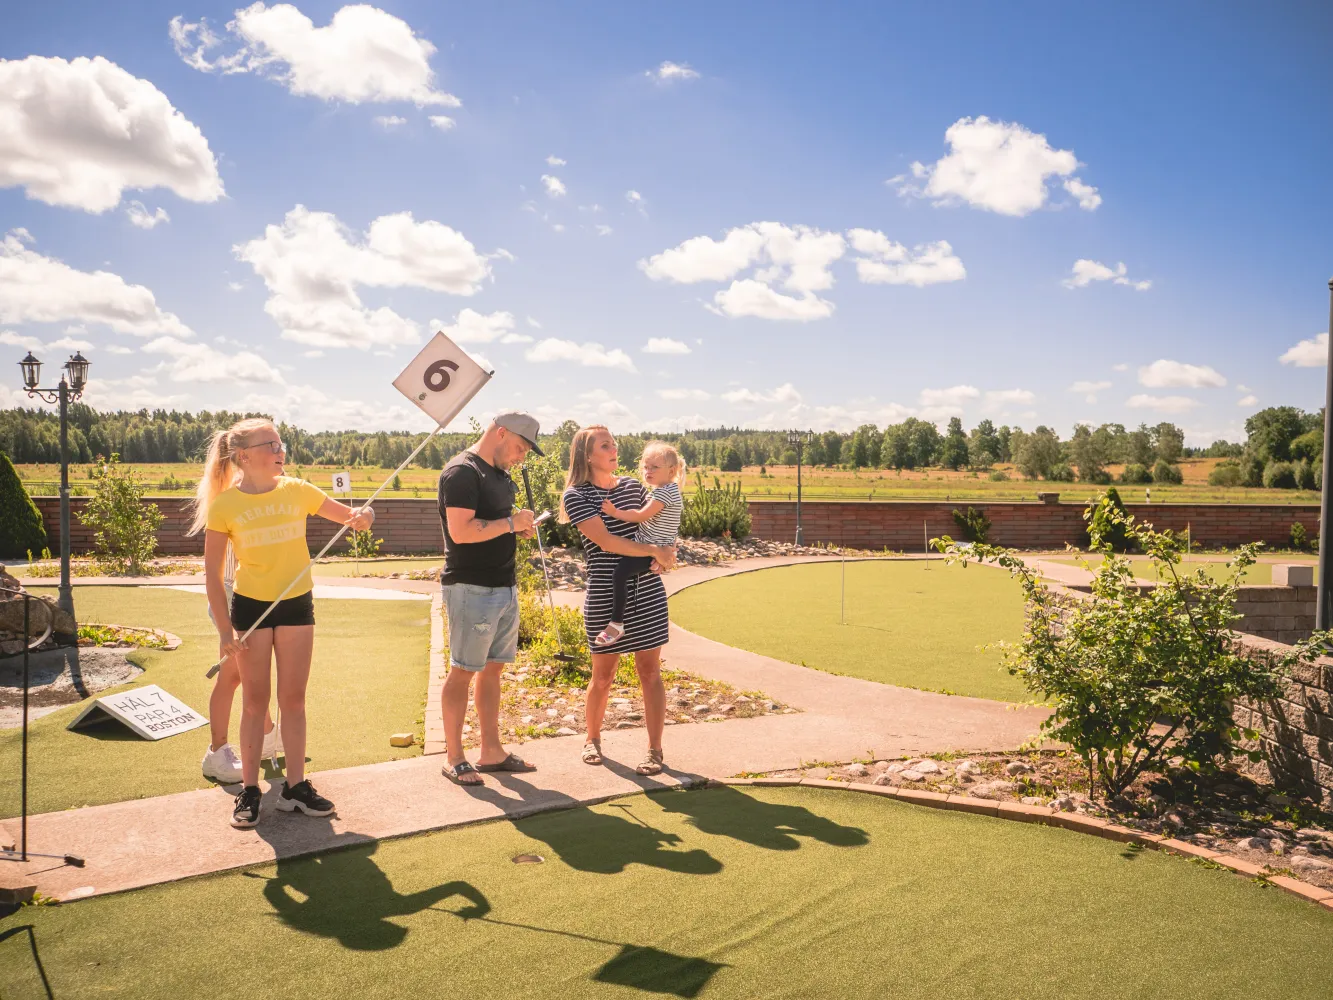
(1299, 538)
(1135, 474)
(21, 527)
(124, 526)
(1251, 470)
(1101, 524)
(1061, 472)
(1139, 676)
(974, 524)
(1226, 473)
(715, 513)
(998, 476)
(1164, 472)
(731, 461)
(363, 544)
(1305, 475)
(548, 483)
(1280, 476)
(1308, 446)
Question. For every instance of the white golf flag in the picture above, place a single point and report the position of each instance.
(442, 379)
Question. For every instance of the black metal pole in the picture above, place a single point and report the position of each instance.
(23, 794)
(66, 598)
(1322, 617)
(800, 539)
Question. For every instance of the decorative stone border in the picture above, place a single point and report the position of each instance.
(1046, 816)
(172, 641)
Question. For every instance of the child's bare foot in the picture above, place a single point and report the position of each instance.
(610, 635)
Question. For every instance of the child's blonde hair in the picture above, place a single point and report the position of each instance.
(221, 470)
(673, 459)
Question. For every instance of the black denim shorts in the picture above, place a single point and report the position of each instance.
(299, 610)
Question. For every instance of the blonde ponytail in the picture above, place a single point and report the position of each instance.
(580, 470)
(221, 469)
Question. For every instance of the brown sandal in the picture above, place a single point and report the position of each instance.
(592, 752)
(652, 764)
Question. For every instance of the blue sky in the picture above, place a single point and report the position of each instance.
(778, 231)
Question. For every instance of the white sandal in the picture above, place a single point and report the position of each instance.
(610, 635)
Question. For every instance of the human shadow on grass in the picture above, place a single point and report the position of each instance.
(32, 946)
(729, 812)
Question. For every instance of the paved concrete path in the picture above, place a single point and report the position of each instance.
(132, 844)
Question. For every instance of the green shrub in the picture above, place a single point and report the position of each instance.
(720, 512)
(1305, 476)
(124, 526)
(1299, 540)
(1251, 470)
(548, 483)
(1309, 445)
(21, 527)
(1140, 676)
(1164, 472)
(998, 476)
(1102, 525)
(974, 524)
(1280, 476)
(731, 461)
(1226, 473)
(397, 483)
(363, 544)
(1135, 474)
(1061, 472)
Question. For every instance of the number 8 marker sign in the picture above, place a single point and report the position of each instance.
(441, 379)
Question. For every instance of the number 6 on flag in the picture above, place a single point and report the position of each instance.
(441, 379)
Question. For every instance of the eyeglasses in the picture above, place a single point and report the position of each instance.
(276, 447)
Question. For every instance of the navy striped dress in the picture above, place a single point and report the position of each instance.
(646, 624)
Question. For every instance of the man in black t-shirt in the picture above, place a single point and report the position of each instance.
(481, 528)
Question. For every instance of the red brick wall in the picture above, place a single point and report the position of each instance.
(413, 525)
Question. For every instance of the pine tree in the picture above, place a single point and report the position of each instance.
(21, 527)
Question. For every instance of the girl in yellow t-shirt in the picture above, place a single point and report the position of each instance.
(245, 500)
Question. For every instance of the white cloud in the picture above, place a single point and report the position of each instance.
(472, 327)
(38, 289)
(636, 199)
(1165, 374)
(785, 393)
(11, 339)
(363, 54)
(554, 161)
(116, 349)
(669, 72)
(533, 323)
(1307, 353)
(139, 215)
(998, 166)
(939, 403)
(1249, 400)
(589, 355)
(72, 344)
(748, 297)
(1087, 271)
(604, 230)
(555, 187)
(442, 122)
(890, 263)
(516, 338)
(1162, 404)
(1120, 368)
(310, 407)
(316, 353)
(999, 397)
(704, 259)
(665, 345)
(78, 133)
(682, 394)
(389, 121)
(1089, 389)
(312, 265)
(234, 286)
(197, 362)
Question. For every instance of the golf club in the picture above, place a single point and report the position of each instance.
(562, 656)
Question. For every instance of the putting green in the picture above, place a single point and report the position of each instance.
(368, 680)
(377, 567)
(721, 893)
(905, 624)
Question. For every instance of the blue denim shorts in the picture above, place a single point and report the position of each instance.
(483, 624)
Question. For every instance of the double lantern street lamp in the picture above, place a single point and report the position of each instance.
(798, 440)
(69, 389)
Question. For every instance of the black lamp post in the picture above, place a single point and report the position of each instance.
(798, 441)
(70, 388)
(1322, 616)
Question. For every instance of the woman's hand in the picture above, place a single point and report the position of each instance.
(230, 646)
(361, 518)
(609, 509)
(665, 556)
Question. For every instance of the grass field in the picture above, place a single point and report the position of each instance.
(723, 894)
(774, 483)
(1260, 573)
(905, 624)
(368, 680)
(376, 567)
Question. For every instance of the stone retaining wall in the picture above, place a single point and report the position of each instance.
(1285, 614)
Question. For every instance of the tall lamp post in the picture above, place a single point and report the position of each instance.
(798, 441)
(1322, 616)
(70, 388)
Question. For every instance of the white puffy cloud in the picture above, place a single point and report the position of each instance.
(314, 408)
(11, 339)
(665, 345)
(78, 133)
(675, 394)
(785, 393)
(748, 297)
(603, 230)
(939, 403)
(1085, 272)
(1308, 353)
(1089, 389)
(1162, 404)
(388, 122)
(38, 289)
(472, 327)
(554, 161)
(998, 166)
(363, 54)
(890, 263)
(1166, 374)
(635, 199)
(1249, 400)
(589, 355)
(140, 216)
(555, 187)
(116, 349)
(703, 258)
(312, 265)
(442, 122)
(198, 362)
(1000, 397)
(669, 72)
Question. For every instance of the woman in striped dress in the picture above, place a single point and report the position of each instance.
(592, 480)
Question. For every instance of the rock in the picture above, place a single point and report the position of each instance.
(1309, 864)
(1311, 833)
(1278, 799)
(928, 767)
(857, 770)
(1272, 834)
(562, 701)
(881, 765)
(633, 716)
(726, 708)
(1174, 818)
(789, 711)
(1253, 843)
(1032, 800)
(619, 701)
(991, 789)
(1277, 845)
(770, 706)
(571, 719)
(527, 720)
(565, 731)
(886, 779)
(896, 768)
(743, 700)
(967, 770)
(1064, 803)
(911, 774)
(1018, 767)
(466, 729)
(624, 724)
(701, 709)
(668, 722)
(402, 739)
(552, 713)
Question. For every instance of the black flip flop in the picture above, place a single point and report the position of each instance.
(455, 773)
(510, 763)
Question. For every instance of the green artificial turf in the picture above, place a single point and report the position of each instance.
(368, 680)
(724, 894)
(905, 624)
(1260, 574)
(376, 567)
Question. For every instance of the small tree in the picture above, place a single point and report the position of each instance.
(21, 527)
(1137, 675)
(731, 460)
(974, 524)
(124, 526)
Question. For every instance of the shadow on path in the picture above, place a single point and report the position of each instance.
(730, 812)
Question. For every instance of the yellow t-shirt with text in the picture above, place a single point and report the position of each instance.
(267, 532)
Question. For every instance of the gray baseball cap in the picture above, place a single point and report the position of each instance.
(523, 424)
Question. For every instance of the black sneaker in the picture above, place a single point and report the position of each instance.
(304, 797)
(246, 811)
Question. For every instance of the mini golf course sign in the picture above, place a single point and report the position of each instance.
(342, 483)
(149, 711)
